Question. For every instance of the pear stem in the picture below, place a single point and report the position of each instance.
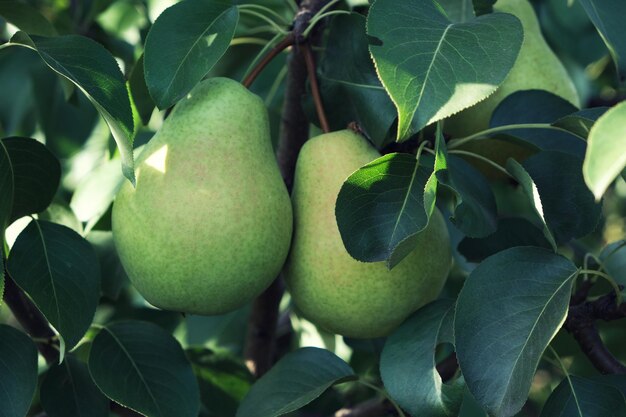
(315, 90)
(287, 41)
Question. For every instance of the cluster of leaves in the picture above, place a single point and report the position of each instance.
(503, 319)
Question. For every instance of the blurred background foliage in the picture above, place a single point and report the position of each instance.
(36, 103)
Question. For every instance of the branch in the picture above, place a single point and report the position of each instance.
(369, 408)
(275, 51)
(580, 323)
(315, 90)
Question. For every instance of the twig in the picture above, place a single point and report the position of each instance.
(315, 91)
(261, 341)
(287, 41)
(580, 323)
(369, 408)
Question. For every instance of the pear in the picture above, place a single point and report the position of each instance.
(208, 226)
(327, 285)
(536, 68)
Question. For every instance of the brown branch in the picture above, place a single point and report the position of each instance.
(260, 339)
(287, 41)
(581, 324)
(315, 90)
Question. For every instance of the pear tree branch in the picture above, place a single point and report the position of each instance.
(261, 337)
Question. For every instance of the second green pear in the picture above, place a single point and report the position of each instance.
(328, 286)
(536, 68)
(208, 226)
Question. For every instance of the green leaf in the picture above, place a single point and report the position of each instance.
(142, 367)
(407, 364)
(508, 311)
(69, 391)
(475, 211)
(114, 277)
(582, 397)
(380, 207)
(581, 122)
(296, 380)
(60, 272)
(95, 72)
(18, 372)
(613, 258)
(608, 18)
(184, 43)
(26, 18)
(433, 68)
(605, 158)
(139, 92)
(511, 232)
(568, 207)
(348, 81)
(458, 10)
(29, 178)
(224, 380)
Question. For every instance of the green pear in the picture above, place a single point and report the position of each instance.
(208, 225)
(328, 286)
(536, 68)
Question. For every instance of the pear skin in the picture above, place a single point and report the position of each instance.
(209, 224)
(327, 285)
(536, 68)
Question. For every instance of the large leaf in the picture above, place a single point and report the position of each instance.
(296, 380)
(581, 122)
(18, 372)
(143, 367)
(613, 258)
(432, 67)
(30, 176)
(509, 309)
(606, 158)
(407, 364)
(183, 45)
(608, 18)
(581, 397)
(139, 92)
(68, 391)
(95, 72)
(380, 207)
(26, 18)
(60, 271)
(348, 80)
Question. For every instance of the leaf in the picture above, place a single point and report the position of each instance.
(18, 372)
(296, 380)
(605, 158)
(509, 309)
(184, 43)
(475, 211)
(60, 272)
(114, 277)
(613, 258)
(224, 380)
(380, 208)
(26, 18)
(511, 232)
(139, 92)
(433, 68)
(581, 122)
(607, 16)
(348, 80)
(568, 206)
(95, 72)
(142, 367)
(458, 10)
(582, 397)
(408, 368)
(68, 391)
(30, 176)
(538, 106)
